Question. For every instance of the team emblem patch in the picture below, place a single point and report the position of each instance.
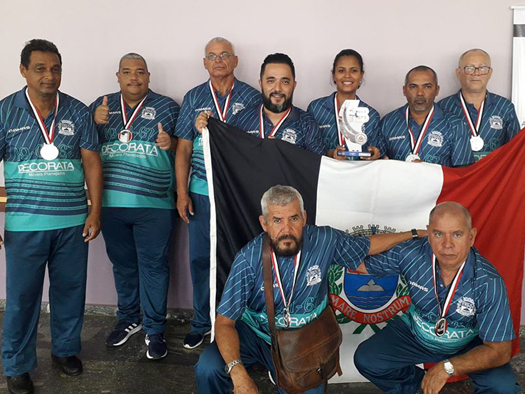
(148, 113)
(435, 138)
(365, 300)
(290, 136)
(496, 122)
(66, 127)
(313, 275)
(237, 107)
(466, 306)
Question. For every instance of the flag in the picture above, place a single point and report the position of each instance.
(363, 197)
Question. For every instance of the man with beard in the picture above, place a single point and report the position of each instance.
(223, 95)
(421, 130)
(491, 119)
(277, 117)
(242, 332)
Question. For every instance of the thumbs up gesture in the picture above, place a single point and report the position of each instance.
(164, 141)
(101, 114)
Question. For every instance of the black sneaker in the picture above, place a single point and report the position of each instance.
(157, 348)
(194, 339)
(122, 332)
(20, 384)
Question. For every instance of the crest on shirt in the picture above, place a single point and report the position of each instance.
(237, 107)
(66, 127)
(313, 275)
(465, 306)
(289, 135)
(148, 113)
(435, 138)
(496, 122)
(366, 300)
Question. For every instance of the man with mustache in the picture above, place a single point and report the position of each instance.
(491, 119)
(136, 128)
(223, 95)
(421, 130)
(277, 117)
(459, 317)
(301, 255)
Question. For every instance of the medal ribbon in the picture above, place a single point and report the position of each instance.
(222, 113)
(276, 127)
(451, 291)
(127, 123)
(297, 260)
(474, 128)
(416, 145)
(49, 136)
(340, 135)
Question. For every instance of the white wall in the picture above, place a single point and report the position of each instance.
(392, 37)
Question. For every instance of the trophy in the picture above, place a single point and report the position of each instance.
(351, 123)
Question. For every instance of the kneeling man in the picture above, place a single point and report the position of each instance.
(242, 331)
(459, 317)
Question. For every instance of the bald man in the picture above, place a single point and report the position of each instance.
(459, 317)
(491, 119)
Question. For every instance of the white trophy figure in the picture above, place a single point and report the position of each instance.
(351, 121)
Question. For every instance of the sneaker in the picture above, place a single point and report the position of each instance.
(194, 339)
(122, 332)
(157, 348)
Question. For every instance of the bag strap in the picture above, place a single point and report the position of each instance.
(268, 284)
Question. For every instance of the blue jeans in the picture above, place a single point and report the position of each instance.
(211, 377)
(137, 243)
(27, 254)
(388, 360)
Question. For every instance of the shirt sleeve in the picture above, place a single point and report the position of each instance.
(493, 312)
(314, 141)
(386, 263)
(237, 289)
(174, 111)
(373, 132)
(185, 127)
(461, 150)
(512, 124)
(89, 136)
(350, 250)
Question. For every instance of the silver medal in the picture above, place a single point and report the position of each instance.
(441, 327)
(412, 158)
(49, 152)
(125, 136)
(476, 143)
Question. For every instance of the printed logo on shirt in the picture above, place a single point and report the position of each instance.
(435, 138)
(202, 109)
(397, 137)
(313, 275)
(324, 126)
(18, 129)
(46, 168)
(66, 127)
(237, 107)
(130, 148)
(418, 286)
(115, 113)
(496, 122)
(466, 306)
(148, 113)
(253, 132)
(289, 135)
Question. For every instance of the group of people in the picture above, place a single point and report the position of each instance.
(136, 148)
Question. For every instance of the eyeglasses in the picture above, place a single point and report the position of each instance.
(469, 70)
(224, 56)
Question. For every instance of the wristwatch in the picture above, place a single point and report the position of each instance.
(414, 233)
(449, 368)
(228, 367)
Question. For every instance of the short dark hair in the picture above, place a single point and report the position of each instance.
(349, 53)
(278, 58)
(422, 68)
(38, 45)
